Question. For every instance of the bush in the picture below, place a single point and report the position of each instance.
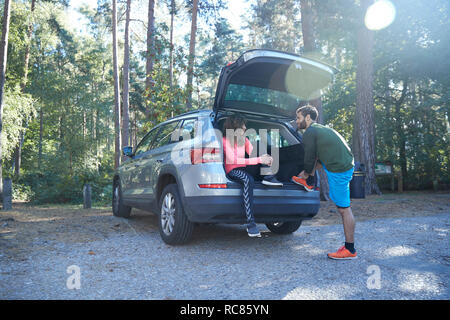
(22, 192)
(42, 188)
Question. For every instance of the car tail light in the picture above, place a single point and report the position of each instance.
(213, 186)
(205, 155)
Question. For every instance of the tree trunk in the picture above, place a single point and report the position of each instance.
(96, 139)
(172, 15)
(309, 46)
(84, 126)
(307, 25)
(27, 49)
(3, 62)
(117, 116)
(126, 81)
(150, 52)
(18, 150)
(135, 130)
(401, 134)
(41, 128)
(365, 111)
(190, 71)
(355, 137)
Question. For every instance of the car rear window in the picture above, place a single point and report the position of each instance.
(188, 127)
(284, 102)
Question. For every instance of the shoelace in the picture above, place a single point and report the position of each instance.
(341, 249)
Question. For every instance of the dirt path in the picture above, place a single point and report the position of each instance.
(35, 226)
(388, 205)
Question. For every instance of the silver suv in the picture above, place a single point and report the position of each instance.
(177, 169)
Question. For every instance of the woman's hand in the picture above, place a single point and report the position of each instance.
(303, 175)
(266, 159)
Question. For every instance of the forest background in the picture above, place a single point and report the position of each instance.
(59, 105)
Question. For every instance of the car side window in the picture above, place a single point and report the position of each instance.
(146, 142)
(188, 127)
(165, 134)
(278, 137)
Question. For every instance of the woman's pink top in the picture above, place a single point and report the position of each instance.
(234, 157)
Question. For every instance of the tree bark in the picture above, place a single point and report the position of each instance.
(309, 46)
(28, 47)
(126, 81)
(190, 70)
(365, 111)
(117, 116)
(401, 133)
(3, 62)
(96, 138)
(307, 25)
(355, 138)
(41, 129)
(150, 52)
(18, 150)
(172, 15)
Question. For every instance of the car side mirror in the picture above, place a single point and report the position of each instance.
(127, 151)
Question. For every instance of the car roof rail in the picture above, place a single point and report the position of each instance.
(188, 113)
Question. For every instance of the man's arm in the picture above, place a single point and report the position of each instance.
(309, 144)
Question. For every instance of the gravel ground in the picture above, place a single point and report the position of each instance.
(126, 259)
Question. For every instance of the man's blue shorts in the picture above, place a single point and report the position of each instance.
(339, 183)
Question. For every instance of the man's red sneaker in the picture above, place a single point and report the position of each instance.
(342, 254)
(302, 182)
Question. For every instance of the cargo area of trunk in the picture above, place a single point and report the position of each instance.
(291, 152)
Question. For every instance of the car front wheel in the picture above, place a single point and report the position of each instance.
(174, 226)
(119, 209)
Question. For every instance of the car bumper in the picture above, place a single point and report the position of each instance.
(268, 208)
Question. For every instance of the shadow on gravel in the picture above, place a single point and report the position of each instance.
(147, 223)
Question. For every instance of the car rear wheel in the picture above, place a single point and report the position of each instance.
(174, 226)
(284, 227)
(119, 209)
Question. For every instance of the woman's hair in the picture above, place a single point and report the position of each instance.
(234, 122)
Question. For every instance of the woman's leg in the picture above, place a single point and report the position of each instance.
(254, 171)
(248, 183)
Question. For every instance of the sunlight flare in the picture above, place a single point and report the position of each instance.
(380, 15)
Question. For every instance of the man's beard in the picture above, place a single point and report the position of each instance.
(302, 125)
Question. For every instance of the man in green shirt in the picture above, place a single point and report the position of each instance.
(326, 147)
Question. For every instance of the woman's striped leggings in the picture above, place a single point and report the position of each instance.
(246, 180)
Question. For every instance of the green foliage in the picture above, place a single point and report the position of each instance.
(18, 111)
(43, 188)
(70, 86)
(275, 24)
(220, 48)
(412, 52)
(66, 109)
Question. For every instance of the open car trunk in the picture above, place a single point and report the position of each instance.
(290, 149)
(270, 83)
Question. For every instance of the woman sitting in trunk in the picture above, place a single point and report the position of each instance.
(238, 168)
